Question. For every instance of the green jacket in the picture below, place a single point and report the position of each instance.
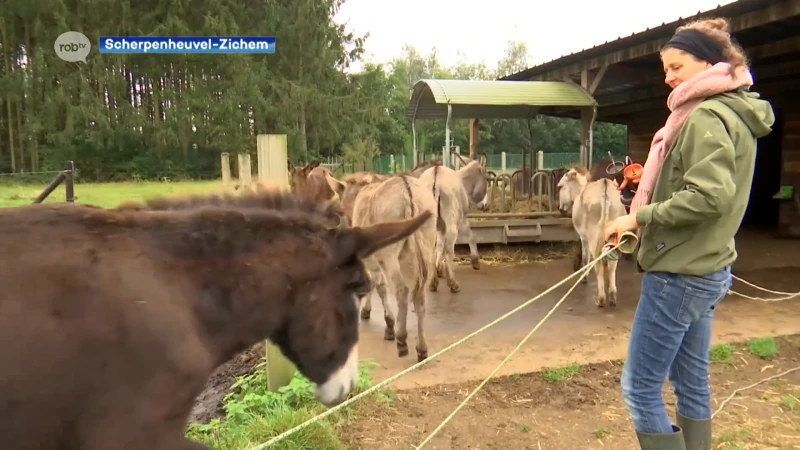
(702, 192)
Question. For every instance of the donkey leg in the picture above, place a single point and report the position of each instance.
(418, 297)
(450, 255)
(600, 270)
(440, 254)
(394, 277)
(585, 258)
(388, 316)
(366, 301)
(466, 230)
(438, 257)
(611, 275)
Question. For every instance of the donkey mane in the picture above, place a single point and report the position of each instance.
(583, 171)
(264, 199)
(364, 178)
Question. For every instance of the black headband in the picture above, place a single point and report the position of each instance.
(698, 44)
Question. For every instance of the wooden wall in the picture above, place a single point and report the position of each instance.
(789, 224)
(641, 130)
(642, 127)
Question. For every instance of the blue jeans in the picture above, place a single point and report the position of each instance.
(671, 336)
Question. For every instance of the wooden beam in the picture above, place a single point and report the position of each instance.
(617, 113)
(474, 136)
(598, 77)
(771, 13)
(773, 49)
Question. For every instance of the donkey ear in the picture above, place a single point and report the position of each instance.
(360, 242)
(335, 185)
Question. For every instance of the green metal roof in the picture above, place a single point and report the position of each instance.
(492, 99)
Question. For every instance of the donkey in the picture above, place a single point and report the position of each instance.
(593, 205)
(452, 191)
(132, 310)
(310, 181)
(407, 266)
(423, 166)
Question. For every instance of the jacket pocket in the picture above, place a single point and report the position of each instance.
(664, 239)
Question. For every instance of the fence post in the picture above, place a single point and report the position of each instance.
(69, 181)
(245, 171)
(503, 161)
(539, 160)
(225, 161)
(272, 169)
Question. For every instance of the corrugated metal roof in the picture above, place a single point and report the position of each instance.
(490, 99)
(651, 33)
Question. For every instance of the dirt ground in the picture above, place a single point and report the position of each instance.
(208, 404)
(580, 408)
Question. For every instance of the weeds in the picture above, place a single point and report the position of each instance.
(254, 415)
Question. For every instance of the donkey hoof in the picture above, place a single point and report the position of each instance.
(600, 302)
(402, 350)
(454, 288)
(434, 286)
(388, 334)
(422, 355)
(365, 313)
(612, 299)
(476, 262)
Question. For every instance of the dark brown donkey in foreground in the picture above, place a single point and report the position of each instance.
(111, 321)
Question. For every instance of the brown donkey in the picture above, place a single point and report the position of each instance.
(112, 320)
(407, 266)
(310, 181)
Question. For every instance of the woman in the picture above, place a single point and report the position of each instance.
(689, 203)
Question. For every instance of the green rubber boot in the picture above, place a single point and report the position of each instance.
(696, 433)
(671, 441)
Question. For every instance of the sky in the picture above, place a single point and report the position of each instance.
(480, 30)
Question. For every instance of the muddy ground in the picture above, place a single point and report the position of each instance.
(580, 408)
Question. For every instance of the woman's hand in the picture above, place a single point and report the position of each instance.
(620, 225)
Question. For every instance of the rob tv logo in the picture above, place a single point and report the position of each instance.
(73, 46)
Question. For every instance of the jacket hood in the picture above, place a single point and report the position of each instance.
(756, 113)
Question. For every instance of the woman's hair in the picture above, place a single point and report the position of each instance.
(719, 30)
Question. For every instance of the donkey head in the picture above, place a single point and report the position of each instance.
(321, 328)
(298, 176)
(351, 187)
(570, 186)
(473, 177)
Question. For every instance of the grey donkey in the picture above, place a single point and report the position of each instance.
(593, 205)
(406, 266)
(453, 190)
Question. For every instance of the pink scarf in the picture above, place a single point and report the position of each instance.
(682, 101)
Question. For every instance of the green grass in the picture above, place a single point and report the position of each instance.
(722, 353)
(766, 348)
(561, 374)
(107, 195)
(254, 415)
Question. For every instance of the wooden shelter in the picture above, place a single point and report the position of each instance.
(626, 78)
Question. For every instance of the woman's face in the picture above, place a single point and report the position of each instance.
(680, 66)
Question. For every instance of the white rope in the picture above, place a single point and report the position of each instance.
(786, 295)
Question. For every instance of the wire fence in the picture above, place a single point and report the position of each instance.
(503, 162)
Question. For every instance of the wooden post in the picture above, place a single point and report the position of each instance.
(474, 136)
(226, 169)
(245, 171)
(274, 171)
